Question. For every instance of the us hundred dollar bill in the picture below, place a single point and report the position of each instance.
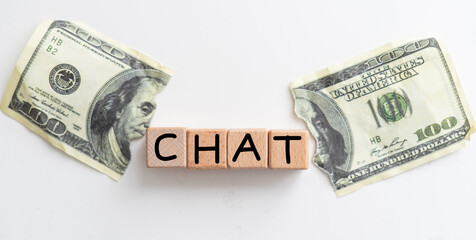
(85, 93)
(385, 112)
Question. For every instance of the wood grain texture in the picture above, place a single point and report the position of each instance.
(247, 158)
(167, 147)
(206, 139)
(298, 149)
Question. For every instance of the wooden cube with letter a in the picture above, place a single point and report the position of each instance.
(166, 147)
(247, 148)
(206, 148)
(288, 149)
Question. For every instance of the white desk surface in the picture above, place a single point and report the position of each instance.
(233, 62)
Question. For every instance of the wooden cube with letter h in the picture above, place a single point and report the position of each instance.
(206, 148)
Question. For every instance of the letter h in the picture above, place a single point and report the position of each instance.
(209, 148)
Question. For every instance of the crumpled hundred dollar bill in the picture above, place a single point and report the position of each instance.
(382, 113)
(85, 93)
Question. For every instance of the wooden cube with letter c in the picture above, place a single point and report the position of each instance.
(166, 147)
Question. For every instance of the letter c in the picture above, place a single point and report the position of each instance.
(157, 142)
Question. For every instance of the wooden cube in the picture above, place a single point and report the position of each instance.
(288, 149)
(247, 148)
(206, 148)
(166, 147)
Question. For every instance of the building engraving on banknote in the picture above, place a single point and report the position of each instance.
(388, 102)
(85, 93)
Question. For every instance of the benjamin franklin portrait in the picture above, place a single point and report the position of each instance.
(330, 142)
(122, 115)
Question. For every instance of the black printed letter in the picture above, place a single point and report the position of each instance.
(212, 148)
(242, 148)
(157, 141)
(287, 138)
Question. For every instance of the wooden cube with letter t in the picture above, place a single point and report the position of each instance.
(288, 149)
(206, 148)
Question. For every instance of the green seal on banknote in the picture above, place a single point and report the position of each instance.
(392, 107)
(387, 111)
(85, 93)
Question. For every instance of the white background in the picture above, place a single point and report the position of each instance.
(233, 62)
